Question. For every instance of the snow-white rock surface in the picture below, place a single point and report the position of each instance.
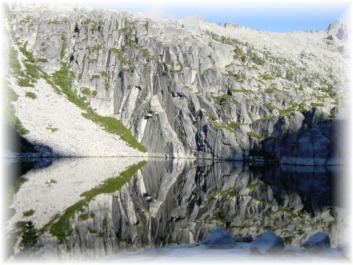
(54, 121)
(52, 190)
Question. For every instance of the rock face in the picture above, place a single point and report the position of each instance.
(339, 30)
(219, 238)
(190, 89)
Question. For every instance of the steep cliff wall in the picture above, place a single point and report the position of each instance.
(186, 89)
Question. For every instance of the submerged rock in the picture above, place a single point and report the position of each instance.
(219, 238)
(318, 241)
(267, 242)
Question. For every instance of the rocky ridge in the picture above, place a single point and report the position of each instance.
(207, 91)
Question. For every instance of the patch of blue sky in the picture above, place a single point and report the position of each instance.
(277, 16)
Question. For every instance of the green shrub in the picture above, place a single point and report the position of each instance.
(42, 60)
(86, 91)
(103, 73)
(28, 213)
(32, 71)
(95, 76)
(27, 54)
(83, 217)
(106, 85)
(31, 95)
(24, 82)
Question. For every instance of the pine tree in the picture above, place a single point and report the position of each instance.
(29, 237)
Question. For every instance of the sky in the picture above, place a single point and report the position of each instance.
(277, 16)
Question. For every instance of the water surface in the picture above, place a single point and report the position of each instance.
(94, 207)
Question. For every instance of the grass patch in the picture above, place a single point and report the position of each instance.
(12, 119)
(60, 229)
(315, 105)
(234, 90)
(30, 95)
(115, 126)
(253, 135)
(95, 76)
(253, 186)
(236, 124)
(14, 63)
(24, 82)
(63, 78)
(266, 76)
(114, 184)
(118, 53)
(264, 118)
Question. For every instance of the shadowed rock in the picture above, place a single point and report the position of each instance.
(267, 242)
(219, 238)
(318, 241)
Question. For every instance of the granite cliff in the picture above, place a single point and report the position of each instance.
(185, 88)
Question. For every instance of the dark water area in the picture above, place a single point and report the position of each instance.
(93, 207)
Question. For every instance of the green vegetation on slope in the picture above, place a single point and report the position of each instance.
(63, 78)
(114, 184)
(59, 225)
(115, 126)
(12, 119)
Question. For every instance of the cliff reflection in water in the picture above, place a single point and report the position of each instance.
(178, 202)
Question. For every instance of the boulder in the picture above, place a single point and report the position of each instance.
(247, 239)
(267, 242)
(318, 241)
(219, 238)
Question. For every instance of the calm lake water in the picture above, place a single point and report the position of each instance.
(94, 207)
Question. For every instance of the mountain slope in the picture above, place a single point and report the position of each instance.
(191, 88)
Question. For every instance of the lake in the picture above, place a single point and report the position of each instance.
(94, 207)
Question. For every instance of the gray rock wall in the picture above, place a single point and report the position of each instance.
(183, 92)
